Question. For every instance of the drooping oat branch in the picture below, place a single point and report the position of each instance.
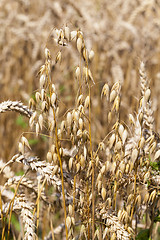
(88, 76)
(53, 100)
(15, 106)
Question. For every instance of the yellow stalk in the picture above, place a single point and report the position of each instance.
(3, 225)
(88, 212)
(135, 180)
(90, 139)
(62, 179)
(39, 194)
(115, 194)
(51, 224)
(74, 195)
(11, 205)
(38, 206)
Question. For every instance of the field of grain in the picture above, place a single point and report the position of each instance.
(79, 119)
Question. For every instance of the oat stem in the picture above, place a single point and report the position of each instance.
(74, 195)
(152, 218)
(90, 139)
(11, 207)
(39, 194)
(38, 206)
(51, 225)
(115, 194)
(135, 181)
(2, 217)
(88, 212)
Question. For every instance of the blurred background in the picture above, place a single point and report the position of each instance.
(121, 33)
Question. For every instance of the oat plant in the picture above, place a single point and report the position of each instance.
(85, 188)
